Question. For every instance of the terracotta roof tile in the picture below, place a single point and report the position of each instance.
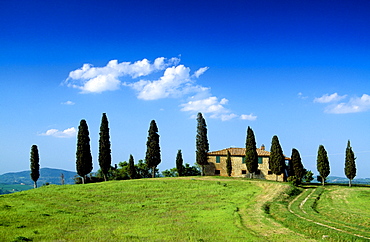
(239, 152)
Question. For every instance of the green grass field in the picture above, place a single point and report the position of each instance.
(163, 209)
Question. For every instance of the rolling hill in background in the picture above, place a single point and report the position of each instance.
(47, 175)
(343, 180)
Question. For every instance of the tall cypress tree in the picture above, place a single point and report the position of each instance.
(349, 164)
(131, 168)
(84, 163)
(251, 156)
(277, 159)
(153, 151)
(290, 168)
(323, 163)
(35, 166)
(229, 166)
(202, 146)
(296, 166)
(104, 147)
(179, 163)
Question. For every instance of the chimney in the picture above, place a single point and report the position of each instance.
(262, 147)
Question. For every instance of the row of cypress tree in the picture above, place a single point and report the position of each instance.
(84, 163)
(349, 164)
(295, 166)
(277, 158)
(153, 157)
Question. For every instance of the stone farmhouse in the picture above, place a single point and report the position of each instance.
(217, 164)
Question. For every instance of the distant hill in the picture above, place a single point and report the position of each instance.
(344, 180)
(47, 175)
(10, 188)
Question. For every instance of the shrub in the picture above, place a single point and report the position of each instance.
(293, 191)
(266, 207)
(295, 181)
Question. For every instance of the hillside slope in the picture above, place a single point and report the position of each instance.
(161, 209)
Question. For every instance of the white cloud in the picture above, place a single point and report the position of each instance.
(68, 103)
(250, 117)
(354, 105)
(67, 133)
(175, 82)
(226, 117)
(90, 79)
(101, 83)
(208, 105)
(200, 71)
(329, 98)
(301, 96)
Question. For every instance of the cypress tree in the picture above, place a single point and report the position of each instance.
(229, 167)
(202, 146)
(290, 168)
(277, 159)
(131, 168)
(251, 156)
(323, 163)
(84, 163)
(350, 165)
(296, 165)
(153, 151)
(35, 166)
(179, 163)
(104, 147)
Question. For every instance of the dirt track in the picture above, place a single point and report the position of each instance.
(316, 222)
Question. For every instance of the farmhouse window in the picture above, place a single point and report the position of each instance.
(260, 160)
(269, 172)
(217, 159)
(244, 172)
(243, 160)
(217, 172)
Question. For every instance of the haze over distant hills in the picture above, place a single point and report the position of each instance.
(343, 180)
(47, 175)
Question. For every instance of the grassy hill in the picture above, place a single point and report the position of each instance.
(47, 175)
(161, 209)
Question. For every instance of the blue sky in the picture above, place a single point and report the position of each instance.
(296, 69)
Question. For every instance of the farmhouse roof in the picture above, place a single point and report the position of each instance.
(240, 152)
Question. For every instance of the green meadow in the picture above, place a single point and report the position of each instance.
(333, 213)
(175, 209)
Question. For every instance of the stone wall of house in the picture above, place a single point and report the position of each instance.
(265, 171)
(239, 169)
(236, 163)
